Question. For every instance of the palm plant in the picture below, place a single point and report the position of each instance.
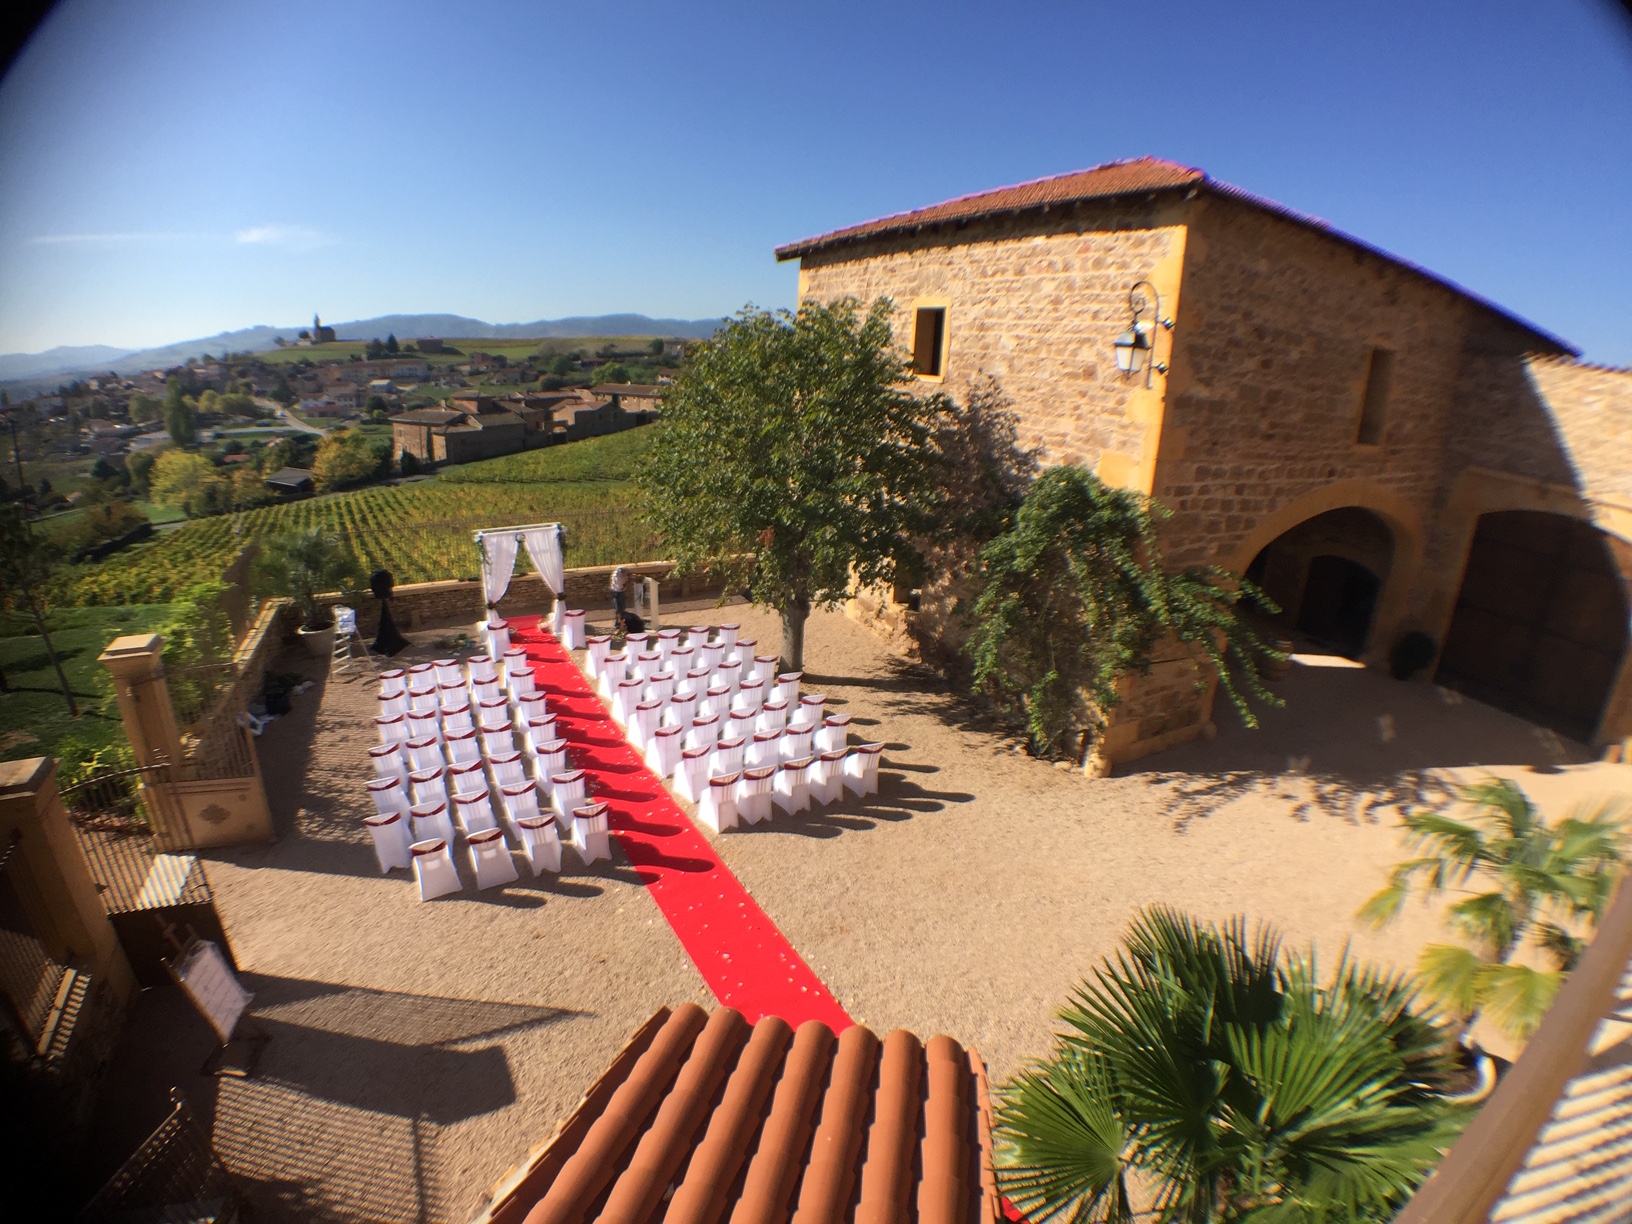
(1219, 1073)
(304, 565)
(1532, 883)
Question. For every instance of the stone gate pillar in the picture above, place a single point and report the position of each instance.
(144, 697)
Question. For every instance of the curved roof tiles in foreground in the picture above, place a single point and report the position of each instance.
(1135, 177)
(706, 1118)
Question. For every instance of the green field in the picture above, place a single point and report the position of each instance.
(33, 716)
(421, 532)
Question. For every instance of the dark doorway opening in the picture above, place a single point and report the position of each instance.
(1339, 597)
(1326, 575)
(1540, 626)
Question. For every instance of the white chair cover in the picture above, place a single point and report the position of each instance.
(827, 776)
(718, 807)
(388, 760)
(791, 791)
(466, 778)
(540, 843)
(394, 680)
(765, 669)
(667, 640)
(549, 760)
(766, 748)
(448, 671)
(569, 788)
(458, 716)
(392, 728)
(490, 859)
(424, 752)
(425, 724)
(389, 795)
(624, 700)
(534, 706)
(787, 687)
(861, 769)
(754, 793)
(773, 716)
(691, 774)
(796, 742)
(434, 869)
(694, 683)
(394, 703)
(430, 820)
(728, 635)
(481, 668)
(750, 696)
(463, 748)
(665, 751)
(660, 686)
(475, 811)
(718, 700)
(596, 649)
(540, 731)
(743, 652)
(430, 785)
(507, 768)
(497, 632)
(731, 675)
(740, 725)
(834, 732)
(727, 755)
(572, 629)
(705, 731)
(391, 839)
(644, 725)
(498, 739)
(591, 834)
(424, 697)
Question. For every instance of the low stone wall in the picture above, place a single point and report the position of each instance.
(429, 604)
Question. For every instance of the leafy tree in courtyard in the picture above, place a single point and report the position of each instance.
(1228, 1081)
(1527, 884)
(25, 570)
(304, 565)
(793, 438)
(1075, 598)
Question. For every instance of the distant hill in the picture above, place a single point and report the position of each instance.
(40, 370)
(60, 360)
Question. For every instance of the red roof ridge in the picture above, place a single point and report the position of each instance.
(1128, 177)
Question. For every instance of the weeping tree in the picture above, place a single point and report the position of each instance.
(26, 561)
(1222, 1078)
(1074, 598)
(793, 440)
(1526, 887)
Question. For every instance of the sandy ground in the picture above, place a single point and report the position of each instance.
(420, 1050)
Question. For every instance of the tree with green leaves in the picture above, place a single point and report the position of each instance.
(1074, 597)
(655, 348)
(304, 565)
(180, 420)
(1526, 886)
(391, 345)
(26, 561)
(347, 458)
(1225, 1079)
(793, 439)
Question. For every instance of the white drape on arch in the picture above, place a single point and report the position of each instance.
(498, 564)
(544, 547)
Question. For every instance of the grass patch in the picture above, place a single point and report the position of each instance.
(34, 718)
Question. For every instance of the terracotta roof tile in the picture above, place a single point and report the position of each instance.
(1124, 178)
(704, 1119)
(1101, 182)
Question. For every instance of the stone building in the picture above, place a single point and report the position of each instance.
(1383, 450)
(444, 435)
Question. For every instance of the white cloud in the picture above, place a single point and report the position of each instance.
(288, 237)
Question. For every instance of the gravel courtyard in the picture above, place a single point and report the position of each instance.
(420, 1050)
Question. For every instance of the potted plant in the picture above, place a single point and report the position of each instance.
(304, 565)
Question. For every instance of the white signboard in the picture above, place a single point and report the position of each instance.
(209, 981)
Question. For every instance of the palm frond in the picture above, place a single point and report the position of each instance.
(1450, 976)
(1488, 918)
(1516, 997)
(1061, 1149)
(1502, 801)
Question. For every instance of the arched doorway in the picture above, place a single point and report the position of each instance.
(1326, 574)
(1540, 626)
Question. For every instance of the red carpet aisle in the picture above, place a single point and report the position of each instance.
(746, 961)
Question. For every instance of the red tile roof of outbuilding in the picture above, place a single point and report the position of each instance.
(707, 1118)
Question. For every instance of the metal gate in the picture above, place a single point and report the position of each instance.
(174, 1176)
(139, 853)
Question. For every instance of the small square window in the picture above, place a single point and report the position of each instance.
(1374, 407)
(928, 340)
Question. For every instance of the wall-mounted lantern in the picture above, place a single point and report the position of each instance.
(1136, 347)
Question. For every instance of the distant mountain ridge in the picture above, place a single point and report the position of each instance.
(91, 359)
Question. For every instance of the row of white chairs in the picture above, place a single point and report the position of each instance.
(747, 796)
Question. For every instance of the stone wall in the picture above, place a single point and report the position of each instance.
(431, 604)
(1036, 303)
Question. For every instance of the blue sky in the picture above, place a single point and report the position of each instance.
(174, 168)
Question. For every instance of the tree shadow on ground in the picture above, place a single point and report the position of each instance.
(1350, 744)
(914, 688)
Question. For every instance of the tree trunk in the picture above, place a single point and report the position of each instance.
(794, 615)
(51, 653)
